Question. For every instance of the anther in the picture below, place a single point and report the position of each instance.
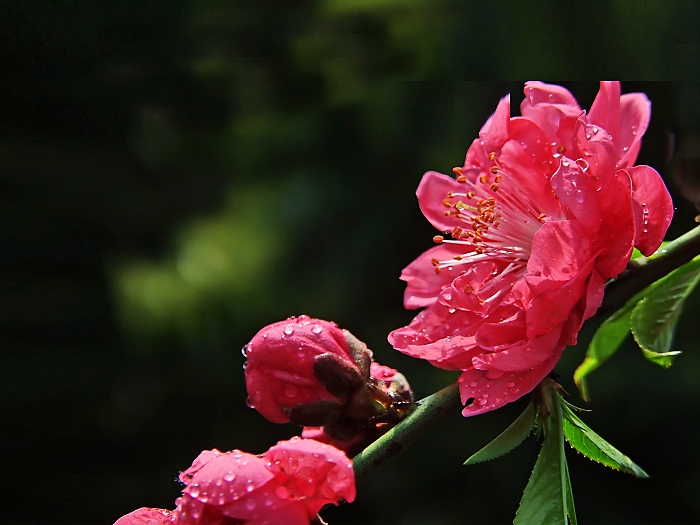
(494, 187)
(561, 149)
(492, 155)
(498, 178)
(461, 179)
(457, 171)
(470, 195)
(494, 169)
(438, 239)
(435, 262)
(483, 179)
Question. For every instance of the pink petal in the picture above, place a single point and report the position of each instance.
(635, 113)
(538, 93)
(494, 132)
(605, 111)
(520, 356)
(577, 193)
(657, 208)
(490, 394)
(431, 193)
(552, 108)
(146, 516)
(315, 472)
(617, 235)
(423, 284)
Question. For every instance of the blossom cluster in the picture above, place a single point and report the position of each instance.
(547, 207)
(287, 485)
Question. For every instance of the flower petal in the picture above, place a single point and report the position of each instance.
(492, 393)
(657, 208)
(423, 283)
(605, 111)
(635, 112)
(431, 193)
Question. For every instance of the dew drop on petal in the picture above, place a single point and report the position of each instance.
(452, 310)
(472, 384)
(289, 329)
(317, 329)
(282, 493)
(483, 401)
(250, 504)
(194, 491)
(290, 390)
(229, 476)
(510, 384)
(249, 486)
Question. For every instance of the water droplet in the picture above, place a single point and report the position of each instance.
(282, 493)
(452, 310)
(472, 384)
(626, 148)
(249, 486)
(449, 268)
(289, 329)
(510, 384)
(483, 401)
(194, 491)
(221, 499)
(579, 197)
(204, 497)
(229, 476)
(290, 390)
(317, 329)
(244, 350)
(250, 504)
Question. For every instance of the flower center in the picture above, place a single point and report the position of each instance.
(498, 216)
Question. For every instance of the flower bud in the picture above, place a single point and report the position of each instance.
(301, 361)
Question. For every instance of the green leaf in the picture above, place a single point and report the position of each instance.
(582, 438)
(606, 341)
(508, 439)
(547, 499)
(654, 319)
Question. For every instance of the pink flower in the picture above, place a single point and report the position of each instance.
(146, 516)
(288, 485)
(314, 374)
(280, 365)
(546, 209)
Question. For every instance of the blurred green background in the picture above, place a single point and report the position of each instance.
(175, 175)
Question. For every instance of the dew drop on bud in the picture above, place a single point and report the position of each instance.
(290, 390)
(289, 329)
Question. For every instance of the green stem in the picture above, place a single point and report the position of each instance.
(643, 271)
(430, 411)
(639, 274)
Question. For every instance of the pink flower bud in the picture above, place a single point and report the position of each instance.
(289, 362)
(146, 516)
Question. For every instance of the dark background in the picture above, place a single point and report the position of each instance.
(175, 175)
